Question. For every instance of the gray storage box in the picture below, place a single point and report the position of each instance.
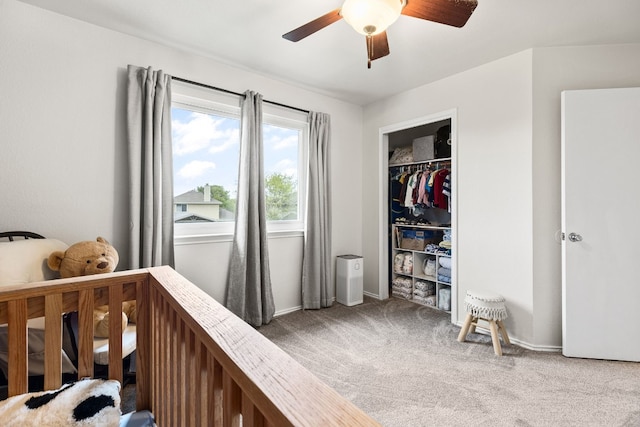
(423, 148)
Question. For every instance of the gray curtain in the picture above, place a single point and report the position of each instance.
(248, 293)
(150, 168)
(316, 263)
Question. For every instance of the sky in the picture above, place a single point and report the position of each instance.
(206, 150)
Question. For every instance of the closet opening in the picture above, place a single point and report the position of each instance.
(418, 222)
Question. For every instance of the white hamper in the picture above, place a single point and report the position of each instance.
(349, 278)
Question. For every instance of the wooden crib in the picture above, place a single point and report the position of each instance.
(197, 364)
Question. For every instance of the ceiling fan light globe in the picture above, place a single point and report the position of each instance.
(371, 17)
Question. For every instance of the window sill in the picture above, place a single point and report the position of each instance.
(199, 239)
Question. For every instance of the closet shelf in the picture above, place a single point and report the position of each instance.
(401, 273)
(425, 162)
(422, 277)
(422, 226)
(447, 255)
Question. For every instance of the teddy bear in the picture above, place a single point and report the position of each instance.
(92, 257)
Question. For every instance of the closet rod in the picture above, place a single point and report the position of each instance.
(191, 82)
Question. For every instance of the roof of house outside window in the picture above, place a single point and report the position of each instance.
(180, 217)
(194, 197)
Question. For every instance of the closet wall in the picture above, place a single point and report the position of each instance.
(508, 163)
(493, 178)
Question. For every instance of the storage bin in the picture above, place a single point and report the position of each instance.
(424, 148)
(416, 240)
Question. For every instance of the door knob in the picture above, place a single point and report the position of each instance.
(574, 237)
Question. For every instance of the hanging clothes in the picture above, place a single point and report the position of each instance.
(415, 189)
(423, 195)
(430, 189)
(411, 185)
(439, 199)
(446, 190)
(403, 188)
(396, 187)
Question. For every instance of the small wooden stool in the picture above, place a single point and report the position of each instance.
(491, 309)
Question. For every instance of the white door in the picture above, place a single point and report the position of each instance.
(601, 223)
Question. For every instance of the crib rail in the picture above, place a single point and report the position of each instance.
(50, 300)
(197, 363)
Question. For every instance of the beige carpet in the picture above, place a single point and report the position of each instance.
(401, 364)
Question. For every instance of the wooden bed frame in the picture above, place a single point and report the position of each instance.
(197, 364)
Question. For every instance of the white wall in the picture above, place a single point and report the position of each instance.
(508, 135)
(63, 170)
(206, 263)
(494, 185)
(555, 70)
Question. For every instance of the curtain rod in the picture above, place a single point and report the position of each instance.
(191, 82)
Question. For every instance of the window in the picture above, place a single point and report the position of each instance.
(206, 147)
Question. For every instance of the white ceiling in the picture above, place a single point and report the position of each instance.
(333, 61)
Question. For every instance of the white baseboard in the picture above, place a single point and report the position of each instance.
(292, 309)
(481, 330)
(547, 348)
(287, 311)
(520, 343)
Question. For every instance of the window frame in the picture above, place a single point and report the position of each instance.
(209, 101)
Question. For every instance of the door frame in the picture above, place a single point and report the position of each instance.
(383, 195)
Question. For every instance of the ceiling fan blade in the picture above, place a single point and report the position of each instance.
(313, 26)
(449, 12)
(378, 46)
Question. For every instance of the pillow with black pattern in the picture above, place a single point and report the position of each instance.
(83, 403)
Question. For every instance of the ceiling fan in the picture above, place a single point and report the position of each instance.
(372, 17)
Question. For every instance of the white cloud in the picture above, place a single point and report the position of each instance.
(195, 169)
(231, 138)
(201, 131)
(285, 166)
(278, 143)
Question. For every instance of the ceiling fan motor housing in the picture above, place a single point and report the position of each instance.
(371, 17)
